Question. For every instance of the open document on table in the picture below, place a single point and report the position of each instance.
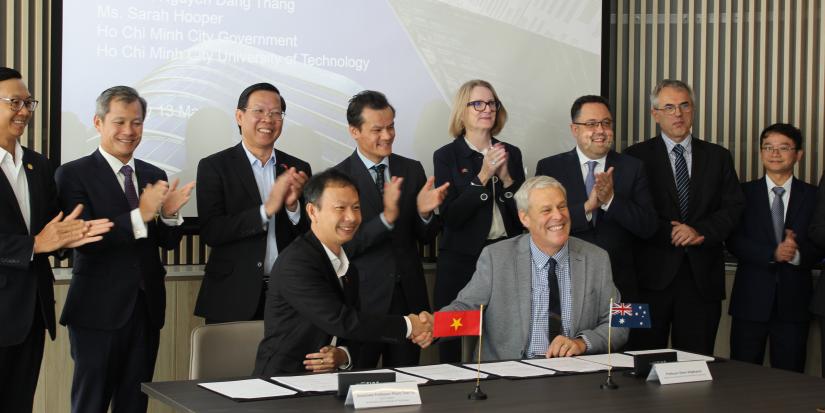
(249, 389)
(512, 369)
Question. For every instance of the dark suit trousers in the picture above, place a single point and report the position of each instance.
(20, 366)
(392, 355)
(110, 365)
(788, 342)
(680, 313)
(822, 342)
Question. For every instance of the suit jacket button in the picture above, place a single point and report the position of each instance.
(483, 197)
(508, 194)
(260, 264)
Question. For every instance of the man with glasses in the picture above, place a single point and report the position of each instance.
(698, 201)
(774, 255)
(607, 192)
(249, 204)
(31, 227)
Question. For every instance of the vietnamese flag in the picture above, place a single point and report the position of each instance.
(457, 323)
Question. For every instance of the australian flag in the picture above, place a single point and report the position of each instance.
(630, 315)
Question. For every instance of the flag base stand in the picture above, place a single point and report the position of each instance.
(477, 394)
(608, 384)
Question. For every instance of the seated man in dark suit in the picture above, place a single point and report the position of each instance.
(773, 280)
(607, 192)
(545, 294)
(31, 227)
(817, 235)
(312, 318)
(117, 298)
(249, 209)
(397, 210)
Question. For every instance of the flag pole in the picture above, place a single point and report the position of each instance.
(608, 384)
(477, 394)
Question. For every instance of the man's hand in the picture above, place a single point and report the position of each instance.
(604, 186)
(683, 235)
(429, 198)
(94, 233)
(592, 201)
(152, 199)
(60, 232)
(327, 359)
(176, 198)
(299, 179)
(786, 250)
(392, 193)
(422, 329)
(566, 347)
(278, 193)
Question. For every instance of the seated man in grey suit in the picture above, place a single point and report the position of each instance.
(545, 294)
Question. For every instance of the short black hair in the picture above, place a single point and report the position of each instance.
(576, 109)
(243, 99)
(7, 73)
(786, 129)
(366, 99)
(318, 182)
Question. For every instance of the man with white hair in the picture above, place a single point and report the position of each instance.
(544, 293)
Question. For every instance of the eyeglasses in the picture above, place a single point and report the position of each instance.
(593, 124)
(782, 149)
(17, 104)
(260, 113)
(684, 107)
(480, 105)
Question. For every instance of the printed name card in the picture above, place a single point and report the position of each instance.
(365, 396)
(680, 372)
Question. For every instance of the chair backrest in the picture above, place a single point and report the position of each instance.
(225, 349)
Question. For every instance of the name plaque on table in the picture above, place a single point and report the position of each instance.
(680, 372)
(365, 396)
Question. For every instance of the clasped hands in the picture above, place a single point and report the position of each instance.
(786, 250)
(602, 193)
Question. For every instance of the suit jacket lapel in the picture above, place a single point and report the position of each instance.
(363, 179)
(242, 167)
(523, 281)
(697, 172)
(662, 158)
(108, 179)
(762, 210)
(578, 191)
(797, 199)
(329, 273)
(11, 199)
(35, 192)
(578, 271)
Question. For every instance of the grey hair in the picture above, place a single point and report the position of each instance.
(676, 84)
(536, 182)
(118, 93)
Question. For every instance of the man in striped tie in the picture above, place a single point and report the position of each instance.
(698, 202)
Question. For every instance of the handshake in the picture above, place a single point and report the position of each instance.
(422, 329)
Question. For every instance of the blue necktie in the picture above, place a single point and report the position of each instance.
(682, 180)
(589, 182)
(778, 213)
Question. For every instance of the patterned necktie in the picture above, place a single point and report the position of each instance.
(682, 180)
(129, 186)
(554, 309)
(379, 177)
(778, 213)
(589, 182)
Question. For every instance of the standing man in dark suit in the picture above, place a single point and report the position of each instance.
(817, 235)
(31, 227)
(249, 209)
(398, 203)
(312, 317)
(607, 192)
(117, 298)
(773, 281)
(698, 201)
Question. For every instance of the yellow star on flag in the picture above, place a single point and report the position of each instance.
(456, 324)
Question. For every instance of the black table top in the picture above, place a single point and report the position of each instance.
(736, 387)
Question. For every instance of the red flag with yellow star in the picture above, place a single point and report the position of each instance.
(457, 323)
